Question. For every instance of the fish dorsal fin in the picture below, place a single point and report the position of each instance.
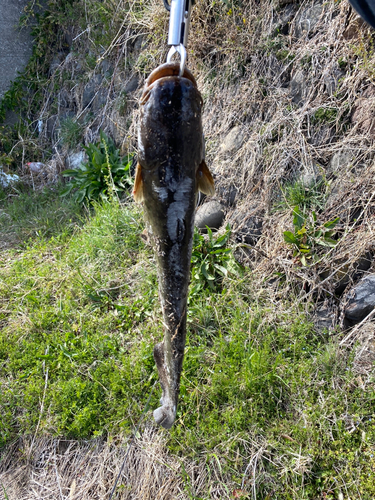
(205, 181)
(138, 185)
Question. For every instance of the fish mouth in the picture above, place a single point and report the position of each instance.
(165, 72)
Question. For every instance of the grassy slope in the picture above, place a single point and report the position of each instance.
(268, 405)
(80, 316)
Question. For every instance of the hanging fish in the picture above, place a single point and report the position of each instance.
(171, 169)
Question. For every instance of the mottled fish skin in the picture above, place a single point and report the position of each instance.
(171, 155)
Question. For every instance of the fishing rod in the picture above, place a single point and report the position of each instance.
(179, 24)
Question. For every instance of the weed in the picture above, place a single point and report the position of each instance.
(324, 115)
(305, 197)
(71, 133)
(104, 174)
(309, 234)
(211, 261)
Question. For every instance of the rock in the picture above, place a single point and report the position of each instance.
(233, 140)
(312, 176)
(331, 79)
(90, 90)
(364, 112)
(355, 28)
(106, 68)
(138, 44)
(100, 99)
(307, 19)
(324, 318)
(74, 160)
(231, 195)
(248, 228)
(340, 161)
(285, 17)
(298, 87)
(209, 214)
(52, 126)
(361, 300)
(55, 63)
(131, 85)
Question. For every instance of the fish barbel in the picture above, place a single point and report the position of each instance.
(170, 171)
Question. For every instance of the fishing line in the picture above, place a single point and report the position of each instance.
(131, 442)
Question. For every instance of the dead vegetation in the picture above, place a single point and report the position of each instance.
(300, 95)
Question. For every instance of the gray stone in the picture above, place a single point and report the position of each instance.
(307, 19)
(284, 17)
(324, 318)
(107, 68)
(231, 195)
(248, 228)
(331, 79)
(312, 176)
(340, 161)
(11, 118)
(55, 63)
(132, 84)
(298, 87)
(361, 300)
(52, 126)
(209, 214)
(138, 44)
(233, 140)
(90, 90)
(100, 99)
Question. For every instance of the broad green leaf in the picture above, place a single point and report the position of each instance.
(289, 237)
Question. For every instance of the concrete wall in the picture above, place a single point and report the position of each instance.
(15, 45)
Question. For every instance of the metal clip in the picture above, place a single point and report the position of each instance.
(179, 24)
(180, 49)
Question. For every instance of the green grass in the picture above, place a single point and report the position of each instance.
(79, 316)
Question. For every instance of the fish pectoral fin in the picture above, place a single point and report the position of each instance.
(205, 181)
(138, 185)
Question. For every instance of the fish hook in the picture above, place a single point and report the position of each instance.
(180, 49)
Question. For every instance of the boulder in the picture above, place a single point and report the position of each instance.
(324, 318)
(131, 85)
(307, 19)
(364, 111)
(298, 87)
(360, 300)
(233, 140)
(90, 90)
(248, 226)
(331, 79)
(340, 161)
(209, 214)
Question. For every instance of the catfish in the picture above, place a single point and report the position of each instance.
(171, 169)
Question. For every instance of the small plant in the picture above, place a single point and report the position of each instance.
(308, 234)
(305, 197)
(211, 260)
(324, 115)
(104, 174)
(70, 133)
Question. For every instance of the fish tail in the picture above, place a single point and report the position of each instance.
(205, 181)
(138, 185)
(165, 415)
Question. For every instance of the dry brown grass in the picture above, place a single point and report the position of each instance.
(63, 469)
